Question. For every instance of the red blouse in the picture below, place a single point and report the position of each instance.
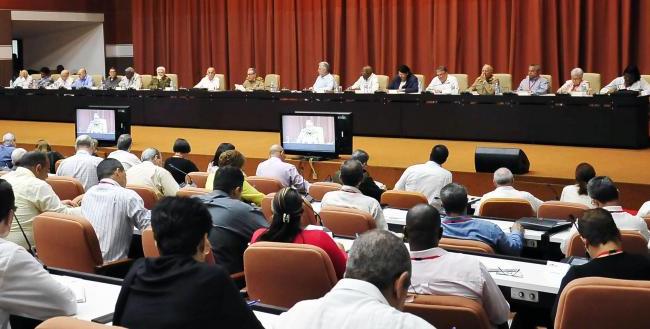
(319, 239)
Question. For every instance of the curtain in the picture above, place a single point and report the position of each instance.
(290, 37)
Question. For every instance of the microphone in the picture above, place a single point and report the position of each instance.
(174, 167)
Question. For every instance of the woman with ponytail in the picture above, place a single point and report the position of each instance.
(577, 193)
(286, 227)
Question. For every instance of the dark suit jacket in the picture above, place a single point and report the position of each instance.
(411, 86)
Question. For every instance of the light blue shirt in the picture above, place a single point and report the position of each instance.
(5, 156)
(538, 86)
(324, 83)
(482, 230)
(86, 82)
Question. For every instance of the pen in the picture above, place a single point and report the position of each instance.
(252, 302)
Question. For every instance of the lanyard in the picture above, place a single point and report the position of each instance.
(530, 85)
(424, 258)
(609, 253)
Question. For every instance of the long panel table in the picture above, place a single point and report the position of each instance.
(604, 121)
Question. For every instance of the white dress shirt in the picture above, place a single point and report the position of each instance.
(67, 84)
(510, 192)
(158, 178)
(82, 166)
(454, 274)
(450, 86)
(33, 197)
(351, 197)
(324, 83)
(366, 86)
(644, 211)
(286, 173)
(127, 159)
(208, 84)
(351, 304)
(113, 211)
(26, 289)
(427, 178)
(570, 194)
(619, 84)
(624, 221)
(134, 83)
(24, 83)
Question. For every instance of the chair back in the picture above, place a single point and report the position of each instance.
(265, 185)
(66, 241)
(402, 199)
(272, 78)
(150, 249)
(383, 82)
(318, 189)
(174, 78)
(308, 216)
(222, 81)
(199, 178)
(282, 274)
(337, 79)
(623, 307)
(146, 80)
(449, 312)
(147, 194)
(506, 208)
(66, 188)
(35, 76)
(561, 210)
(465, 245)
(505, 81)
(421, 81)
(647, 221)
(633, 243)
(97, 79)
(463, 81)
(646, 77)
(188, 191)
(346, 221)
(594, 81)
(548, 78)
(67, 322)
(55, 76)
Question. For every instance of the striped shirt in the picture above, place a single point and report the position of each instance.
(113, 211)
(82, 166)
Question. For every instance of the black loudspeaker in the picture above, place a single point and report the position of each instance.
(489, 159)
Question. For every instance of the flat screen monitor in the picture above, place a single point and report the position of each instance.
(105, 124)
(323, 134)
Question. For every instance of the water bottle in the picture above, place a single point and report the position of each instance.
(272, 86)
(11, 83)
(497, 88)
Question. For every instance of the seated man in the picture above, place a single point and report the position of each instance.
(233, 221)
(16, 155)
(325, 81)
(368, 186)
(427, 178)
(46, 78)
(503, 180)
(34, 196)
(82, 165)
(367, 83)
(160, 81)
(97, 125)
(112, 81)
(26, 288)
(113, 210)
(6, 148)
(458, 225)
(253, 82)
(286, 173)
(123, 154)
(443, 83)
(486, 83)
(442, 273)
(83, 81)
(151, 173)
(311, 134)
(130, 80)
(177, 289)
(405, 81)
(371, 295)
(24, 80)
(209, 81)
(534, 83)
(64, 81)
(604, 194)
(350, 197)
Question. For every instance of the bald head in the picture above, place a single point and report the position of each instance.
(503, 177)
(276, 151)
(366, 71)
(487, 71)
(423, 227)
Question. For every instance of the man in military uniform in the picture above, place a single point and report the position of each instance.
(161, 80)
(253, 82)
(486, 83)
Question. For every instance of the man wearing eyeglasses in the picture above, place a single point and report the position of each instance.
(253, 82)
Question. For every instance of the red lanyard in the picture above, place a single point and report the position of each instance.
(609, 253)
(424, 258)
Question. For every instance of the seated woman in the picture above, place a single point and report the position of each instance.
(286, 227)
(577, 83)
(405, 81)
(178, 164)
(177, 289)
(577, 193)
(213, 166)
(236, 159)
(631, 80)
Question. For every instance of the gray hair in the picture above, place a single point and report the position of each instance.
(361, 156)
(8, 139)
(149, 154)
(16, 155)
(503, 176)
(326, 65)
(83, 141)
(378, 257)
(577, 72)
(124, 142)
